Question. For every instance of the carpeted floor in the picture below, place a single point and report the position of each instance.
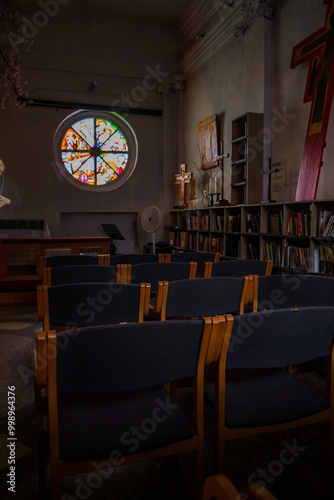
(296, 477)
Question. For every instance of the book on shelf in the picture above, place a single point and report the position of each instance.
(203, 222)
(326, 260)
(231, 247)
(217, 244)
(218, 222)
(324, 220)
(204, 242)
(328, 231)
(192, 221)
(192, 241)
(298, 223)
(183, 239)
(234, 223)
(275, 223)
(252, 223)
(275, 252)
(297, 258)
(173, 238)
(254, 251)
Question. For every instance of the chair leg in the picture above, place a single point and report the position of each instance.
(39, 410)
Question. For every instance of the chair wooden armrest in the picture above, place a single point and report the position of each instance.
(217, 257)
(40, 308)
(192, 270)
(269, 267)
(106, 260)
(207, 269)
(160, 299)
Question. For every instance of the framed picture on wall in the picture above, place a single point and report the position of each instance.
(208, 143)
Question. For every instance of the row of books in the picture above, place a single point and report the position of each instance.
(275, 252)
(234, 223)
(218, 223)
(254, 251)
(192, 222)
(231, 247)
(198, 222)
(297, 258)
(326, 224)
(289, 256)
(324, 260)
(217, 244)
(252, 223)
(298, 223)
(275, 223)
(203, 243)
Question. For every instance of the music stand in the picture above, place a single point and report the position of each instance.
(112, 231)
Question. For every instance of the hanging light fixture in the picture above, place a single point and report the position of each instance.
(11, 39)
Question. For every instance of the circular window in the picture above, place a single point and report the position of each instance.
(96, 151)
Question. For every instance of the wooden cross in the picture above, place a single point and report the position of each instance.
(183, 178)
(319, 49)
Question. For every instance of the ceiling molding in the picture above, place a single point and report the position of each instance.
(207, 25)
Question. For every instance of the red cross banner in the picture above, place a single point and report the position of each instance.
(318, 48)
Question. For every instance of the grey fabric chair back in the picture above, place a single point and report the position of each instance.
(204, 297)
(71, 260)
(83, 274)
(241, 267)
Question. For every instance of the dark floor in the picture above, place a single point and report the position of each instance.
(295, 474)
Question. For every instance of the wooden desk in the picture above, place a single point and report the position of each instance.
(20, 262)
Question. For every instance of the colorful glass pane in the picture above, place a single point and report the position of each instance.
(94, 151)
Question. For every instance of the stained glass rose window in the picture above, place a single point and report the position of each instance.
(95, 151)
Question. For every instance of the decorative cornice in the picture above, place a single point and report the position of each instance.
(207, 25)
(251, 12)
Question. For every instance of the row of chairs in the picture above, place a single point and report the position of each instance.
(106, 380)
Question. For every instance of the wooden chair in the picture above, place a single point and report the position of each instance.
(153, 272)
(136, 258)
(199, 257)
(109, 379)
(298, 290)
(219, 487)
(201, 297)
(255, 394)
(79, 305)
(238, 267)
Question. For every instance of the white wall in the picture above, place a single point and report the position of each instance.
(74, 48)
(231, 83)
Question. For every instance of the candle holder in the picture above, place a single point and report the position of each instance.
(211, 199)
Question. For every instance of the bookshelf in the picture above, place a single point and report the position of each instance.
(246, 159)
(298, 236)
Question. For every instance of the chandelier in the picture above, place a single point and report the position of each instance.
(11, 39)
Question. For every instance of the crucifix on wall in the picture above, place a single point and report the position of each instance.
(319, 49)
(182, 179)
